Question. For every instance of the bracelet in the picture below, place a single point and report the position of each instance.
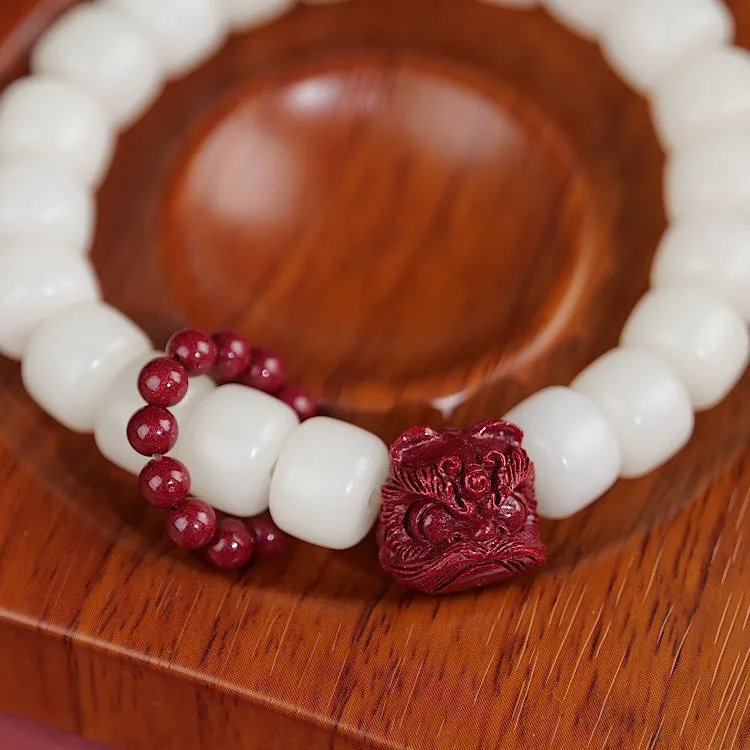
(457, 509)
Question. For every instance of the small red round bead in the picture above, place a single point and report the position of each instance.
(152, 431)
(232, 355)
(194, 350)
(191, 524)
(164, 482)
(163, 382)
(232, 546)
(299, 400)
(266, 372)
(269, 538)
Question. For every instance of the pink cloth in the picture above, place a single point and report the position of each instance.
(19, 734)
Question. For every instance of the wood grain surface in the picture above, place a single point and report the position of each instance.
(432, 208)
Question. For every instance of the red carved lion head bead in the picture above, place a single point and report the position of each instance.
(459, 509)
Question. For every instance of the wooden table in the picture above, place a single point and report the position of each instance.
(432, 208)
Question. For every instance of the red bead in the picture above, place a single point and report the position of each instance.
(266, 372)
(300, 400)
(164, 482)
(192, 524)
(194, 350)
(152, 431)
(163, 382)
(232, 545)
(269, 538)
(232, 355)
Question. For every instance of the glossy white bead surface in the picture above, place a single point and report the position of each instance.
(71, 360)
(40, 204)
(699, 336)
(231, 444)
(583, 17)
(122, 400)
(709, 175)
(182, 32)
(326, 485)
(711, 251)
(644, 401)
(646, 39)
(99, 49)
(36, 284)
(55, 123)
(247, 14)
(574, 448)
(706, 95)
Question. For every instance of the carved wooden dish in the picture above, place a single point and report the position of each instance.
(432, 208)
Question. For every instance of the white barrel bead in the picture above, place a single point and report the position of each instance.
(711, 251)
(71, 360)
(41, 204)
(646, 39)
(583, 17)
(701, 337)
(182, 32)
(231, 444)
(707, 95)
(35, 284)
(326, 485)
(99, 49)
(709, 175)
(574, 448)
(56, 123)
(644, 401)
(247, 14)
(122, 400)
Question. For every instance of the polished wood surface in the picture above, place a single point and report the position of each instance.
(432, 208)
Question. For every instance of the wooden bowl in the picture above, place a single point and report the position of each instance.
(433, 208)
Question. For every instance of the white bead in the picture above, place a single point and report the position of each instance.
(71, 360)
(36, 284)
(644, 401)
(573, 446)
(56, 123)
(711, 175)
(707, 95)
(40, 204)
(326, 486)
(583, 17)
(231, 444)
(697, 334)
(645, 39)
(248, 14)
(97, 48)
(183, 32)
(711, 251)
(122, 400)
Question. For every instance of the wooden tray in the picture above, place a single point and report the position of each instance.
(433, 208)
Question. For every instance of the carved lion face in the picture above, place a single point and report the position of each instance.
(459, 509)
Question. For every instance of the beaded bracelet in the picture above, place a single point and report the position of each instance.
(457, 508)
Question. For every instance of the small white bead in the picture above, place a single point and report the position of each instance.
(183, 32)
(326, 486)
(36, 284)
(573, 446)
(56, 123)
(644, 401)
(707, 95)
(97, 48)
(248, 14)
(71, 360)
(710, 175)
(645, 39)
(583, 17)
(711, 251)
(122, 400)
(231, 444)
(697, 334)
(40, 204)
